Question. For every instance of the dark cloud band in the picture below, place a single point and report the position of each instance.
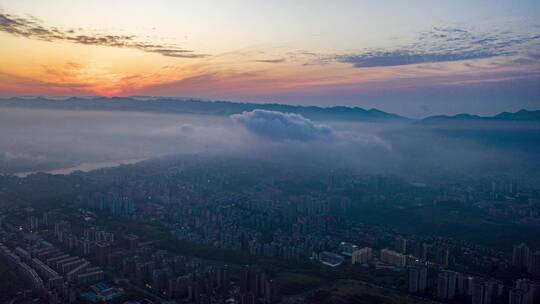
(32, 28)
(443, 45)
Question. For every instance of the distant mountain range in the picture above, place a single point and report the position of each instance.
(197, 106)
(522, 115)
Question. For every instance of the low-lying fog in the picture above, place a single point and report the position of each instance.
(35, 140)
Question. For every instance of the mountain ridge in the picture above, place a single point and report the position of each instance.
(520, 115)
(218, 107)
(198, 106)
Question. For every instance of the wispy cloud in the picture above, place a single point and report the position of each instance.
(278, 60)
(14, 84)
(33, 28)
(443, 45)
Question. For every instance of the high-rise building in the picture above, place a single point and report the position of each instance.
(362, 256)
(417, 279)
(520, 256)
(478, 292)
(425, 251)
(446, 285)
(493, 290)
(393, 258)
(47, 218)
(464, 285)
(133, 241)
(400, 245)
(271, 292)
(222, 277)
(128, 266)
(442, 256)
(102, 250)
(33, 223)
(486, 292)
(516, 296)
(535, 263)
(531, 291)
(259, 284)
(87, 247)
(246, 276)
(159, 279)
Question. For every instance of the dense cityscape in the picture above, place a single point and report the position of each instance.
(269, 152)
(199, 229)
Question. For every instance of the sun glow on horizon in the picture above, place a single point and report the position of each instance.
(241, 51)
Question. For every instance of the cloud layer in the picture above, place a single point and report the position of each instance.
(54, 139)
(443, 45)
(33, 28)
(281, 126)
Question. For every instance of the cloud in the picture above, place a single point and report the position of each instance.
(20, 85)
(281, 126)
(44, 142)
(32, 28)
(444, 45)
(278, 60)
(397, 58)
(187, 128)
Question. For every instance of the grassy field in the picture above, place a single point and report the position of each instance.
(348, 291)
(294, 283)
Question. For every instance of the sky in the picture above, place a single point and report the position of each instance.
(414, 58)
